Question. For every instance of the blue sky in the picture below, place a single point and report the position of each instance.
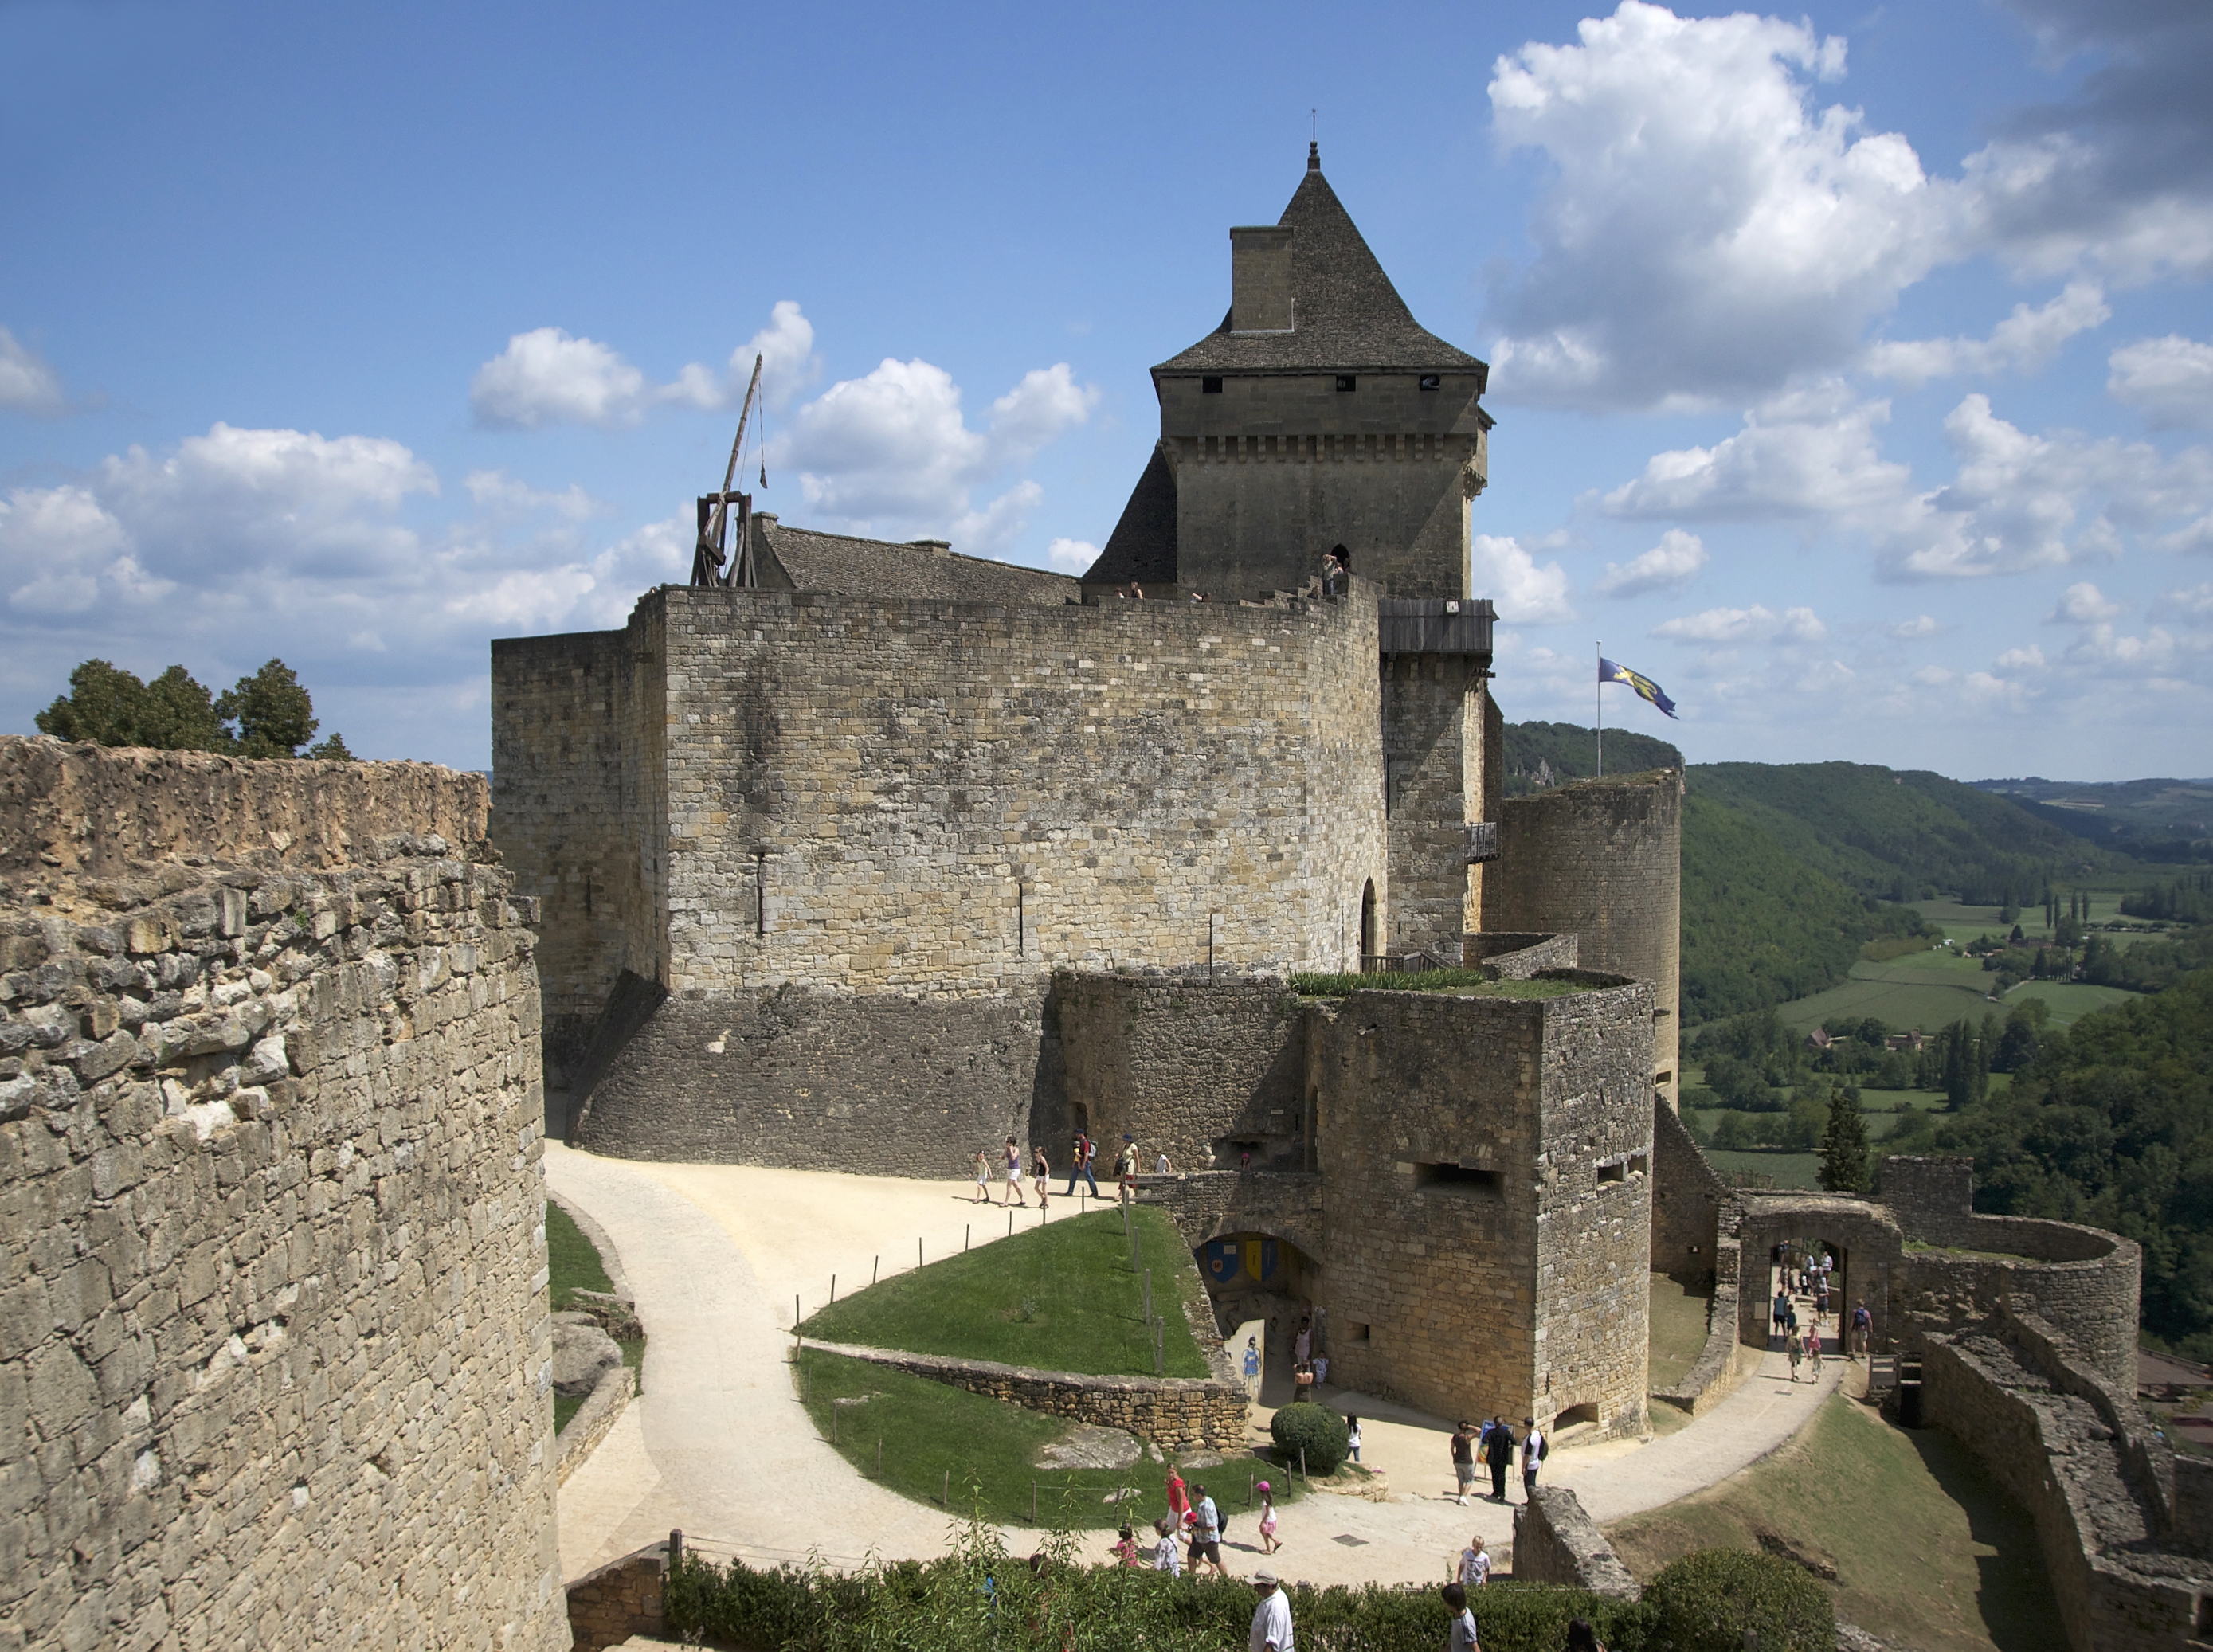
(1854, 368)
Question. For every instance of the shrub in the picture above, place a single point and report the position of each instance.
(1704, 1602)
(1315, 1430)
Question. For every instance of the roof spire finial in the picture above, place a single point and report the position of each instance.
(1314, 143)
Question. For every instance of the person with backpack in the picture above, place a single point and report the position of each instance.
(1863, 1330)
(1535, 1449)
(1080, 1154)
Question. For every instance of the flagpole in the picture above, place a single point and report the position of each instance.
(1598, 699)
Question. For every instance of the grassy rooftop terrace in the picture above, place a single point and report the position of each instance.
(1461, 982)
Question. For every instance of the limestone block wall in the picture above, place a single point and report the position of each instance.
(1518, 957)
(939, 796)
(1209, 1203)
(1462, 1142)
(1555, 1541)
(1276, 468)
(1602, 859)
(881, 1084)
(1188, 1065)
(575, 809)
(1433, 774)
(1687, 1199)
(1184, 1412)
(97, 810)
(273, 1319)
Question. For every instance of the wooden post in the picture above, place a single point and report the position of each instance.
(834, 1422)
(1033, 1502)
(1010, 1224)
(918, 1250)
(1302, 1466)
(875, 1262)
(675, 1550)
(968, 1231)
(1148, 1294)
(833, 1287)
(880, 1456)
(945, 1497)
(794, 1310)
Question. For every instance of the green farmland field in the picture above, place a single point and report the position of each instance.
(1929, 990)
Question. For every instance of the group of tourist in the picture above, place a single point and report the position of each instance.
(1494, 1446)
(1799, 1274)
(1082, 1154)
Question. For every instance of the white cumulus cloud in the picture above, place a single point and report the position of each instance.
(27, 385)
(1071, 556)
(547, 377)
(2024, 341)
(1524, 594)
(1813, 453)
(1756, 623)
(2169, 381)
(1667, 566)
(1912, 631)
(2083, 604)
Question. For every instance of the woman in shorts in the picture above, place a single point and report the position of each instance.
(1015, 1174)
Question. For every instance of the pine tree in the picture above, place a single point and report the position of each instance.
(274, 714)
(1844, 1145)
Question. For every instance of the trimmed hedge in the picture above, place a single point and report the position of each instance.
(1324, 1435)
(990, 1600)
(1705, 1601)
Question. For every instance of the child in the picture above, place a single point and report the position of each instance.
(1462, 1637)
(1167, 1556)
(1797, 1350)
(1127, 1550)
(1268, 1543)
(983, 1177)
(1352, 1434)
(1042, 1171)
(1475, 1564)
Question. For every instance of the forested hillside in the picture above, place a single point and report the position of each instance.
(1541, 753)
(1902, 835)
(1760, 927)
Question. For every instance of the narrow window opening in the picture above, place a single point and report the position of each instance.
(1433, 381)
(1209, 385)
(1639, 1165)
(1347, 381)
(1667, 1077)
(1355, 1333)
(1465, 1181)
(1617, 1171)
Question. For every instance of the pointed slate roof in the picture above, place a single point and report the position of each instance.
(920, 568)
(1142, 546)
(1348, 314)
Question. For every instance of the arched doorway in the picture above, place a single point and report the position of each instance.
(1264, 1286)
(1368, 923)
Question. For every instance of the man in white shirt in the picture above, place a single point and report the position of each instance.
(1271, 1619)
(1532, 1452)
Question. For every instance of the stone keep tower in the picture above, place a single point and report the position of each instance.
(1319, 416)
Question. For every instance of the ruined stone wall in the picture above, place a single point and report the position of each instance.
(1687, 1199)
(96, 809)
(881, 1084)
(1433, 767)
(1555, 1541)
(1594, 1233)
(273, 1319)
(1602, 859)
(573, 721)
(1193, 1066)
(951, 795)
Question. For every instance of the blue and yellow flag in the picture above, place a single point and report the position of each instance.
(1646, 688)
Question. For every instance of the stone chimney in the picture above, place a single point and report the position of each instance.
(1261, 279)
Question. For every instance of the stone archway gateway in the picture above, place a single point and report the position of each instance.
(1865, 1239)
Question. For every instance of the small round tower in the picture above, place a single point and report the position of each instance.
(1603, 860)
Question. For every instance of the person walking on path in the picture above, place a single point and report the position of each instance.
(1463, 1462)
(1268, 1543)
(1303, 1384)
(1206, 1534)
(1041, 1172)
(983, 1177)
(1015, 1174)
(1797, 1352)
(1352, 1435)
(1271, 1619)
(1781, 1305)
(1252, 1369)
(1125, 1550)
(1534, 1448)
(1462, 1636)
(1863, 1327)
(1080, 1152)
(1813, 1350)
(1168, 1552)
(1125, 1172)
(1474, 1564)
(1178, 1498)
(1499, 1446)
(1303, 1344)
(1162, 1167)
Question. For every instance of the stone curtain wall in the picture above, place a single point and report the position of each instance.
(1686, 1200)
(573, 797)
(877, 1085)
(273, 1319)
(623, 1599)
(1185, 1064)
(949, 795)
(1595, 1244)
(1602, 859)
(94, 809)
(1181, 1412)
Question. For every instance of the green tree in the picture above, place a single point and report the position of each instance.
(180, 714)
(1844, 1146)
(110, 706)
(274, 714)
(331, 748)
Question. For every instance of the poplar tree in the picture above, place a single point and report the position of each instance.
(1844, 1145)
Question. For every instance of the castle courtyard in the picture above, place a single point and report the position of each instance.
(718, 1446)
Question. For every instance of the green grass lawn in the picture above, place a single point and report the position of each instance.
(1060, 1297)
(573, 1263)
(1928, 1549)
(1463, 983)
(1789, 1169)
(989, 1449)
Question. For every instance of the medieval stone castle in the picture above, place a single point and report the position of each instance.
(874, 860)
